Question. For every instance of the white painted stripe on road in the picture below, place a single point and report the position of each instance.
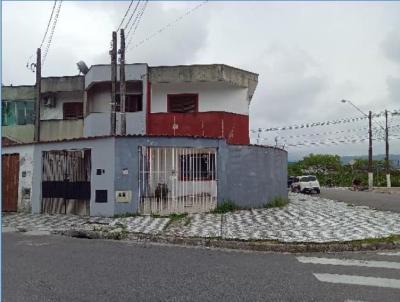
(389, 253)
(358, 280)
(349, 262)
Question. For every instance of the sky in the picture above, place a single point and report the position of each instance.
(309, 56)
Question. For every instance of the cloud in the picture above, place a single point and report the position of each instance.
(309, 55)
(391, 46)
(289, 85)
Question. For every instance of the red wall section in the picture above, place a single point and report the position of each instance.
(233, 127)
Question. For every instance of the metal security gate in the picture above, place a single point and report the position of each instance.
(66, 182)
(177, 180)
(9, 182)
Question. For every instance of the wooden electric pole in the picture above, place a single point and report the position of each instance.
(38, 94)
(387, 164)
(122, 83)
(113, 54)
(370, 168)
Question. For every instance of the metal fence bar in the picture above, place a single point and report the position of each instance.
(177, 180)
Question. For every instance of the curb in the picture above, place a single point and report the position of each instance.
(264, 246)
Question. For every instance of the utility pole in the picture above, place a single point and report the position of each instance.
(122, 83)
(387, 165)
(38, 94)
(370, 172)
(113, 54)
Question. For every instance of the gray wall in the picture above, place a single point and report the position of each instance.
(126, 157)
(251, 176)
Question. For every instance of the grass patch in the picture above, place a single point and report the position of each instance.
(277, 202)
(188, 221)
(391, 238)
(176, 217)
(225, 207)
(125, 215)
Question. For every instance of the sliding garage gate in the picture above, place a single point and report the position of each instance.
(177, 180)
(66, 182)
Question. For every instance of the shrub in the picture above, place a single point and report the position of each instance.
(225, 207)
(176, 217)
(277, 202)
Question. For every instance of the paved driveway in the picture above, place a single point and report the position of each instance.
(380, 201)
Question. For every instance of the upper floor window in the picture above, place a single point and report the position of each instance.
(133, 102)
(73, 110)
(17, 113)
(182, 103)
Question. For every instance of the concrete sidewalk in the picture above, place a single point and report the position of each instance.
(307, 219)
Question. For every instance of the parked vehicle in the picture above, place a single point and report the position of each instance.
(306, 184)
(290, 181)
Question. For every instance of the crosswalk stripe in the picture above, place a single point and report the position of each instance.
(349, 262)
(389, 253)
(358, 280)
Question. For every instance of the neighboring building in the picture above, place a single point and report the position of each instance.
(186, 146)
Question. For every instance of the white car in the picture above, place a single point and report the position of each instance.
(306, 184)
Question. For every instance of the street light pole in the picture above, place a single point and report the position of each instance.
(370, 170)
(387, 163)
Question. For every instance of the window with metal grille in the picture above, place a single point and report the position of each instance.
(73, 110)
(197, 167)
(182, 103)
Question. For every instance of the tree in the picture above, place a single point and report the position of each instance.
(321, 163)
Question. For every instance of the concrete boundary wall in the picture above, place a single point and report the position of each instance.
(250, 176)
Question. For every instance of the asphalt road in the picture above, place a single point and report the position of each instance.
(380, 201)
(52, 268)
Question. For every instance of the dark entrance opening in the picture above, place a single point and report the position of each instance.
(66, 182)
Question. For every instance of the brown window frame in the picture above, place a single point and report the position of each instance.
(171, 96)
(77, 114)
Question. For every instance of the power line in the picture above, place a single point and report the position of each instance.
(323, 123)
(48, 24)
(28, 63)
(311, 124)
(136, 21)
(52, 32)
(340, 142)
(323, 133)
(160, 30)
(395, 133)
(126, 13)
(132, 14)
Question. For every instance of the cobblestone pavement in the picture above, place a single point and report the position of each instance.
(37, 222)
(305, 219)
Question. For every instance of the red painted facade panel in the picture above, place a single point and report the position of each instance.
(231, 126)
